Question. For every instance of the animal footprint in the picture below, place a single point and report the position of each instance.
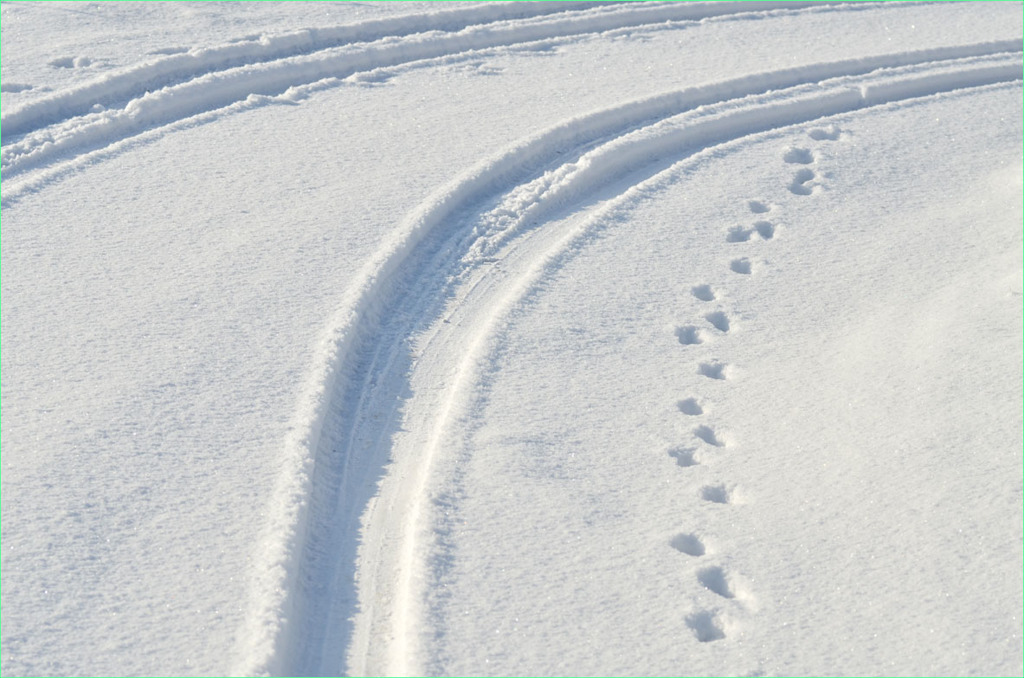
(689, 544)
(738, 234)
(800, 179)
(719, 320)
(716, 494)
(706, 626)
(830, 133)
(741, 266)
(689, 334)
(714, 370)
(758, 207)
(684, 456)
(714, 580)
(71, 62)
(703, 292)
(707, 434)
(690, 406)
(798, 156)
(764, 230)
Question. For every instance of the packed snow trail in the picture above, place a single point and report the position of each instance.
(532, 200)
(76, 123)
(49, 137)
(176, 69)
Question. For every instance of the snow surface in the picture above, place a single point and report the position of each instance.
(511, 338)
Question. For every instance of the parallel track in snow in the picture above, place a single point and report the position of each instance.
(44, 138)
(443, 259)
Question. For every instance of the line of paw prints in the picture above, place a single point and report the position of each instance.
(708, 625)
(712, 624)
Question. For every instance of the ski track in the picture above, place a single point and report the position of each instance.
(352, 401)
(308, 588)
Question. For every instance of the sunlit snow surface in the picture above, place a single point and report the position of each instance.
(532, 339)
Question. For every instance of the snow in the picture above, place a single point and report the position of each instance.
(511, 338)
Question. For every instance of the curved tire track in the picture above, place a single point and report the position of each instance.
(350, 413)
(176, 69)
(63, 126)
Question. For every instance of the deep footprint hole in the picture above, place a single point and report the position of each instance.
(707, 434)
(799, 156)
(830, 133)
(717, 494)
(741, 266)
(765, 229)
(737, 234)
(690, 406)
(713, 370)
(703, 292)
(689, 544)
(705, 626)
(799, 185)
(719, 320)
(689, 335)
(714, 580)
(684, 456)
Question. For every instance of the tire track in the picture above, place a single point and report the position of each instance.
(443, 260)
(80, 124)
(156, 94)
(135, 81)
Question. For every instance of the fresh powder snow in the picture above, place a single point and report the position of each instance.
(510, 338)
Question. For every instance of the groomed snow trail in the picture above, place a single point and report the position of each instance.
(497, 271)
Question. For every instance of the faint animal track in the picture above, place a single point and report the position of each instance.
(689, 334)
(714, 580)
(71, 62)
(830, 133)
(707, 434)
(689, 544)
(741, 266)
(717, 494)
(684, 456)
(800, 179)
(765, 229)
(690, 406)
(714, 370)
(799, 156)
(476, 68)
(14, 87)
(706, 626)
(703, 292)
(719, 320)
